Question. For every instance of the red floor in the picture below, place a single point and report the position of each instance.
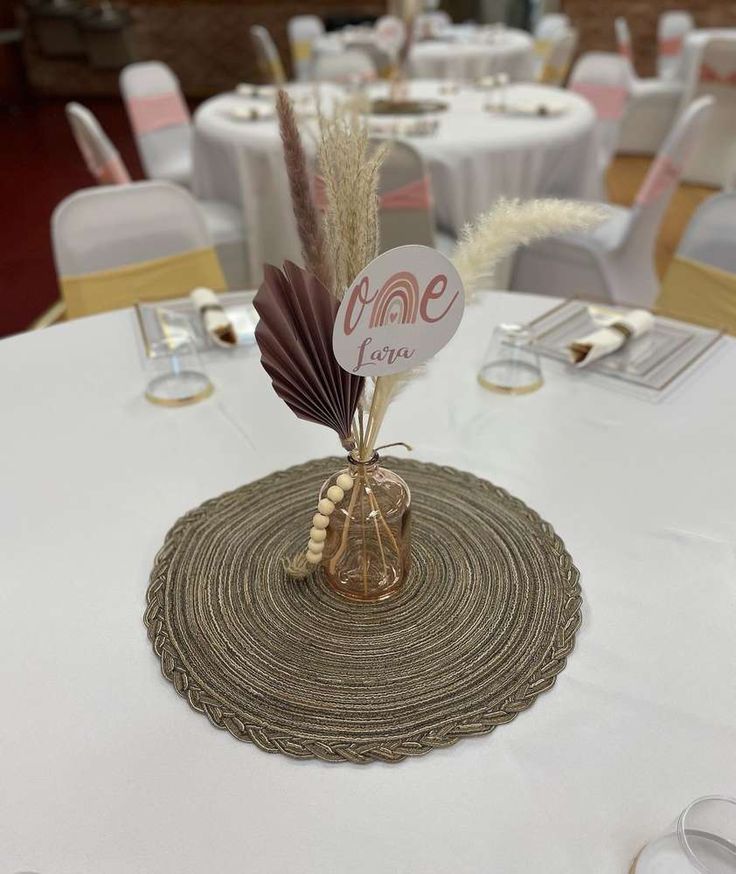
(41, 166)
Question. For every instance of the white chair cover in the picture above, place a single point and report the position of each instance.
(672, 28)
(652, 107)
(103, 228)
(557, 65)
(267, 55)
(390, 33)
(605, 80)
(551, 25)
(351, 67)
(303, 30)
(405, 202)
(100, 155)
(623, 38)
(160, 120)
(715, 157)
(711, 234)
(615, 262)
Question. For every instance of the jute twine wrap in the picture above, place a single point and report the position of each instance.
(483, 625)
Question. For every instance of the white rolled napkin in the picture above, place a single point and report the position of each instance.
(621, 328)
(215, 320)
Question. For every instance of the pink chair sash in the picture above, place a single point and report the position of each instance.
(157, 111)
(670, 48)
(113, 172)
(609, 100)
(709, 74)
(663, 174)
(414, 195)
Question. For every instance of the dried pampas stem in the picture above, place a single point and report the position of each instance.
(308, 222)
(349, 166)
(512, 223)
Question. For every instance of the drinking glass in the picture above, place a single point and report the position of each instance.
(511, 364)
(702, 841)
(175, 373)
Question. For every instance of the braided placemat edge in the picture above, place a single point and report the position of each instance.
(268, 741)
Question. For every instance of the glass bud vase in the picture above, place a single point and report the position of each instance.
(366, 554)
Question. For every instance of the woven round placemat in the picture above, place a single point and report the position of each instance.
(482, 626)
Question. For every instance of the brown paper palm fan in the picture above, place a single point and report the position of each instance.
(297, 314)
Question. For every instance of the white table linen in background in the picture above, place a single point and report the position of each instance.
(474, 158)
(460, 52)
(105, 769)
(475, 55)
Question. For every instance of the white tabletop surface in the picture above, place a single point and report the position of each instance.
(474, 158)
(461, 51)
(103, 768)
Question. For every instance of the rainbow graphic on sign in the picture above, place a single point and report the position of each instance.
(397, 302)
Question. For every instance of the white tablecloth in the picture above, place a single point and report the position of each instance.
(105, 769)
(505, 51)
(462, 52)
(474, 158)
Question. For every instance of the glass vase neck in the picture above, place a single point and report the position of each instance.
(367, 466)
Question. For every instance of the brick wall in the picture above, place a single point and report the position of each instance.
(206, 43)
(594, 20)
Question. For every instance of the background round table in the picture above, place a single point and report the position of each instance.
(471, 55)
(474, 158)
(105, 769)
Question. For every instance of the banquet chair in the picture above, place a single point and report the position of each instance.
(303, 30)
(160, 120)
(350, 67)
(604, 79)
(116, 245)
(549, 31)
(390, 32)
(700, 283)
(223, 220)
(405, 201)
(715, 157)
(267, 56)
(100, 155)
(672, 28)
(652, 106)
(557, 63)
(615, 261)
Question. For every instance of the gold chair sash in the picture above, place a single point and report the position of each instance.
(697, 292)
(158, 279)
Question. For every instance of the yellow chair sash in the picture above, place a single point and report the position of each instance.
(542, 47)
(157, 279)
(552, 74)
(301, 50)
(697, 292)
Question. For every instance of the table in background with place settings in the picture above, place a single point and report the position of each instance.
(474, 158)
(104, 769)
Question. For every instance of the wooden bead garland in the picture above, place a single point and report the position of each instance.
(321, 519)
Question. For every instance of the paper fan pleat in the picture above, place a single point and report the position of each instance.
(296, 319)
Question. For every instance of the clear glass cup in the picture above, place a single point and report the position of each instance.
(175, 373)
(511, 364)
(702, 841)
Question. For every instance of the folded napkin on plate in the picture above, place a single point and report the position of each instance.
(216, 322)
(621, 328)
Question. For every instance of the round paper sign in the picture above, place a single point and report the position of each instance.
(398, 312)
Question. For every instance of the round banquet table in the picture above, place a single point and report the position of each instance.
(473, 55)
(474, 158)
(105, 768)
(460, 52)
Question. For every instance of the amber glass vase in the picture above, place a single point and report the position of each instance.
(367, 551)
